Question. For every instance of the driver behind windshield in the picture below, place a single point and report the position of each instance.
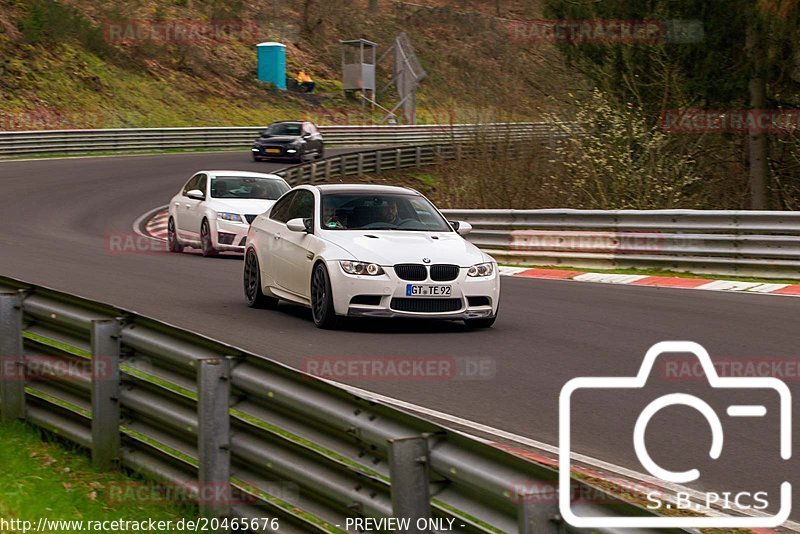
(389, 212)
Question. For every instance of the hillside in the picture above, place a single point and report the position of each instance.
(91, 63)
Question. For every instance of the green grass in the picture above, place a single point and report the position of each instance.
(44, 479)
(657, 272)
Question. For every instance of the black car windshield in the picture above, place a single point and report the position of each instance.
(247, 187)
(370, 211)
(283, 128)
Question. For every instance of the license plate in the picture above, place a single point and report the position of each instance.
(414, 290)
(273, 151)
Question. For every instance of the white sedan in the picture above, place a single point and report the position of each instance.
(368, 251)
(214, 209)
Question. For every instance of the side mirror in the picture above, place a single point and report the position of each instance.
(462, 227)
(299, 225)
(196, 194)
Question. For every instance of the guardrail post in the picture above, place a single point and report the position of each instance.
(459, 152)
(539, 518)
(418, 157)
(328, 165)
(410, 479)
(105, 392)
(360, 164)
(343, 169)
(12, 360)
(398, 153)
(313, 173)
(213, 436)
(378, 162)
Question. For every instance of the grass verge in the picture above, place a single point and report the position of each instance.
(41, 478)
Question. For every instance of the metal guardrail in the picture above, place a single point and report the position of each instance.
(273, 442)
(385, 159)
(149, 139)
(764, 244)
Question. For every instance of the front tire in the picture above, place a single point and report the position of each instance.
(172, 237)
(322, 310)
(252, 283)
(256, 158)
(206, 245)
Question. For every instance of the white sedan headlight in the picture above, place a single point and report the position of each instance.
(480, 270)
(361, 268)
(235, 217)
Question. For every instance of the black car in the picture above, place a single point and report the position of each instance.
(289, 140)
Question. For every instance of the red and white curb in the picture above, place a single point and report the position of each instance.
(157, 225)
(675, 282)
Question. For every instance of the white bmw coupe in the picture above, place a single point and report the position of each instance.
(214, 209)
(368, 251)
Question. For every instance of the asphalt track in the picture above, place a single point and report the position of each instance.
(57, 215)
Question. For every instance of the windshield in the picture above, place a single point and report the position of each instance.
(283, 128)
(353, 211)
(247, 187)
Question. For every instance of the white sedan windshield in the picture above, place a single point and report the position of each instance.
(247, 187)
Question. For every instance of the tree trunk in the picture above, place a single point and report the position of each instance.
(758, 141)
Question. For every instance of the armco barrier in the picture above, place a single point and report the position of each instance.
(271, 441)
(148, 139)
(763, 244)
(385, 159)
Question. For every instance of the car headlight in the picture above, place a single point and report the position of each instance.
(235, 217)
(361, 268)
(482, 269)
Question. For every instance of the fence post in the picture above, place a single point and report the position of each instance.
(105, 392)
(343, 160)
(360, 164)
(328, 170)
(213, 436)
(12, 360)
(539, 518)
(313, 175)
(418, 157)
(410, 478)
(378, 161)
(397, 155)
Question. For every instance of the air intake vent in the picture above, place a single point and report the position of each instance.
(444, 273)
(411, 272)
(426, 305)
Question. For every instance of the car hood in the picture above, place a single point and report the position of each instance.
(245, 206)
(278, 139)
(392, 247)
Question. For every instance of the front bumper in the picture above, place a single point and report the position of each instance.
(478, 298)
(229, 236)
(284, 152)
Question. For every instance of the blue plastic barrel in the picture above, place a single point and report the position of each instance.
(272, 64)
